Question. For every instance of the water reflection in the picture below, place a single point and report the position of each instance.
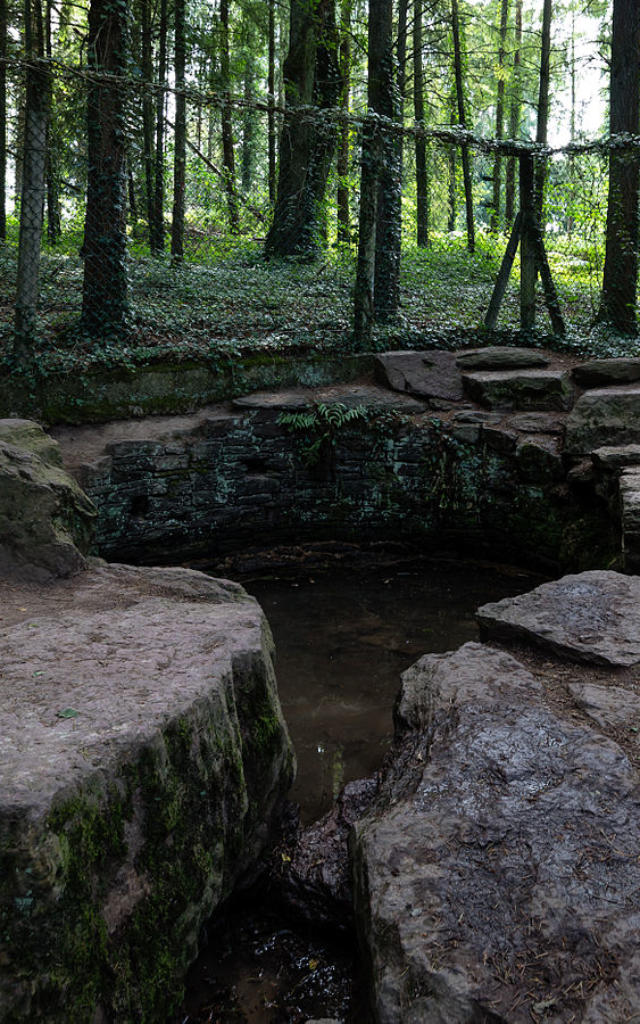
(342, 641)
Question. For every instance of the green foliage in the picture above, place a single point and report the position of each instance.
(318, 428)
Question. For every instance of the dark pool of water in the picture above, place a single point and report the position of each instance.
(342, 641)
(260, 969)
(343, 638)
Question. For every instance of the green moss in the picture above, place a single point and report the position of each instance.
(185, 800)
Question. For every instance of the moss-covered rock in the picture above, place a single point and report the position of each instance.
(143, 761)
(46, 521)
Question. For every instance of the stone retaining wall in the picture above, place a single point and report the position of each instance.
(236, 476)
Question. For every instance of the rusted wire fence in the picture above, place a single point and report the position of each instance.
(80, 226)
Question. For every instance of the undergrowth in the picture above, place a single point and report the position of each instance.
(237, 304)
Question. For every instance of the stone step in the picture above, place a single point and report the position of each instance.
(599, 373)
(615, 458)
(526, 390)
(495, 357)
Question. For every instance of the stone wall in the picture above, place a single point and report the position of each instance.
(234, 476)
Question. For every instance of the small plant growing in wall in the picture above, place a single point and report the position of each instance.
(318, 428)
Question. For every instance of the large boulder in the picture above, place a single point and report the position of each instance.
(46, 521)
(496, 877)
(143, 758)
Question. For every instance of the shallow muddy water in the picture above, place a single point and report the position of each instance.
(342, 641)
(343, 638)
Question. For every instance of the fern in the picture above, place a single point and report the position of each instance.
(320, 427)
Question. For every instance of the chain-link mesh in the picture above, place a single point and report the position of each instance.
(111, 280)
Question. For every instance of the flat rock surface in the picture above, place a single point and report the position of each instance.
(604, 416)
(593, 616)
(88, 670)
(429, 374)
(495, 357)
(285, 400)
(536, 390)
(497, 878)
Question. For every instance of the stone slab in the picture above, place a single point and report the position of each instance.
(143, 755)
(369, 396)
(429, 374)
(495, 357)
(597, 373)
(603, 417)
(531, 390)
(279, 400)
(496, 877)
(592, 616)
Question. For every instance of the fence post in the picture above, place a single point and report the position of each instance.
(527, 245)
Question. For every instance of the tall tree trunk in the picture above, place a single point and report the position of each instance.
(620, 280)
(422, 181)
(105, 296)
(514, 117)
(156, 231)
(18, 136)
(147, 112)
(3, 119)
(387, 101)
(497, 163)
(228, 158)
(180, 134)
(401, 89)
(342, 197)
(374, 154)
(311, 77)
(131, 190)
(33, 180)
(52, 169)
(271, 101)
(452, 152)
(572, 124)
(543, 106)
(248, 115)
(462, 121)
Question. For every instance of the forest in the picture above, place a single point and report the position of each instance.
(206, 176)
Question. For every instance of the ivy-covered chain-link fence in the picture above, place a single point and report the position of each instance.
(103, 249)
